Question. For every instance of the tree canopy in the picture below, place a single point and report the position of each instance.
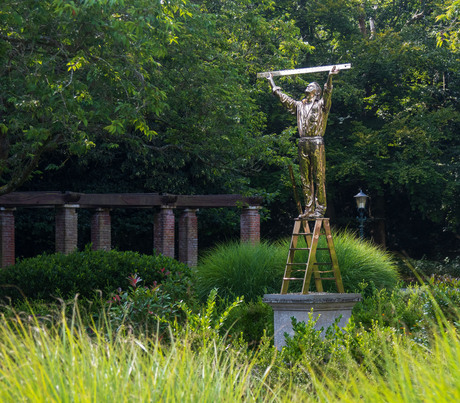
(163, 96)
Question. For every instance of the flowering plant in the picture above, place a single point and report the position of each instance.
(141, 306)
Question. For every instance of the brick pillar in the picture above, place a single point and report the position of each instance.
(163, 231)
(101, 236)
(250, 225)
(66, 228)
(7, 247)
(188, 237)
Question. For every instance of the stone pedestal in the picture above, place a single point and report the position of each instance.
(328, 306)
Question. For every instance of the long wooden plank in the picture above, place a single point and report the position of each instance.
(17, 199)
(306, 70)
(133, 200)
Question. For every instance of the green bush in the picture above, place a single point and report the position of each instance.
(57, 275)
(250, 321)
(413, 311)
(243, 270)
(240, 269)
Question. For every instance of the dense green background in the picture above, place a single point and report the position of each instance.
(139, 96)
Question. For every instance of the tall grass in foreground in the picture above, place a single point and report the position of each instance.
(415, 375)
(64, 363)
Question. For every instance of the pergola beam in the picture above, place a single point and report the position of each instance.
(127, 200)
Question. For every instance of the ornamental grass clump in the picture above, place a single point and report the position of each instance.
(360, 261)
(241, 269)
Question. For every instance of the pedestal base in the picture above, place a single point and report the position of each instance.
(328, 306)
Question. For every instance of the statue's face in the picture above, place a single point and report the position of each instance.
(312, 91)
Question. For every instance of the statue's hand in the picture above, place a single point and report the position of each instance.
(334, 70)
(270, 80)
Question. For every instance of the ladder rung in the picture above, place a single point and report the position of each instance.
(292, 278)
(299, 248)
(295, 264)
(302, 233)
(328, 278)
(326, 271)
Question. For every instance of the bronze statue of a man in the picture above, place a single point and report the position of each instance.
(312, 112)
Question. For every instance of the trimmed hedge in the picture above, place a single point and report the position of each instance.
(50, 276)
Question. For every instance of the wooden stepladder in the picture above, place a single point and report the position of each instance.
(302, 228)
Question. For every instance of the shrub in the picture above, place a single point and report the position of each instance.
(240, 269)
(250, 321)
(414, 310)
(57, 275)
(141, 307)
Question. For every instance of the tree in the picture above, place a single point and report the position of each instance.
(73, 69)
(448, 32)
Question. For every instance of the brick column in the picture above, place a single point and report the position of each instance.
(250, 225)
(7, 247)
(101, 236)
(188, 237)
(66, 228)
(163, 231)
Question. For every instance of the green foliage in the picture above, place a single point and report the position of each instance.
(414, 311)
(378, 364)
(448, 32)
(205, 326)
(167, 91)
(250, 321)
(359, 260)
(57, 275)
(330, 353)
(240, 269)
(141, 308)
(57, 90)
(70, 364)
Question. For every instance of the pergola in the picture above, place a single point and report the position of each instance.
(164, 208)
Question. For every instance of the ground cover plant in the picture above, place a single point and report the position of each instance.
(68, 360)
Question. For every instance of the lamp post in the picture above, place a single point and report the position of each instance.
(361, 201)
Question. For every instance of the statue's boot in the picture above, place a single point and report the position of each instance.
(306, 214)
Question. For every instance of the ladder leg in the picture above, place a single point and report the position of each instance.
(290, 259)
(333, 255)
